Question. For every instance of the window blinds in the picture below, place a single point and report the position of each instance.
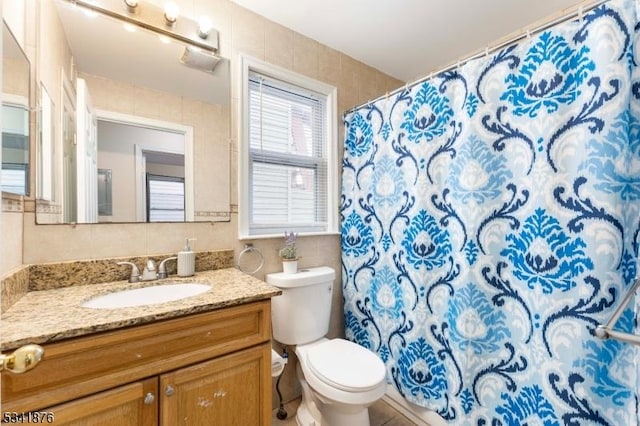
(287, 158)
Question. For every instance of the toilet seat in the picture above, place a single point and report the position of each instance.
(345, 365)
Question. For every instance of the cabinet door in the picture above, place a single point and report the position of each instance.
(135, 404)
(233, 390)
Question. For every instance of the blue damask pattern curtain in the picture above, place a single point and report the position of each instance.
(490, 220)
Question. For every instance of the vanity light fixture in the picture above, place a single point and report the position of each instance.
(161, 21)
(199, 59)
(171, 12)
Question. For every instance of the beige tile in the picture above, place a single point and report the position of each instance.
(226, 48)
(348, 88)
(170, 237)
(367, 84)
(212, 174)
(386, 83)
(110, 95)
(109, 240)
(329, 65)
(278, 45)
(193, 112)
(157, 105)
(233, 178)
(12, 225)
(224, 235)
(56, 243)
(233, 123)
(217, 121)
(305, 55)
(247, 31)
(349, 74)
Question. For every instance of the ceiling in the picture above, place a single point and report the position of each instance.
(406, 39)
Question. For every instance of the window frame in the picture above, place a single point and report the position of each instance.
(250, 64)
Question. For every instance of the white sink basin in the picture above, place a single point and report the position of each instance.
(152, 295)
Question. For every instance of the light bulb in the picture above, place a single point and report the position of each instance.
(204, 26)
(171, 12)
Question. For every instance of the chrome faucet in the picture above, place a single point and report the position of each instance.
(162, 270)
(135, 272)
(149, 273)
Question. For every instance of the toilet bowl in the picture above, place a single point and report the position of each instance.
(339, 379)
(343, 379)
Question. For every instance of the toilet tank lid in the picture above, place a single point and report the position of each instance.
(303, 277)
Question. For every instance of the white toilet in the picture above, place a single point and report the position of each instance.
(339, 379)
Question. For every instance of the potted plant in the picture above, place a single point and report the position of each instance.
(289, 254)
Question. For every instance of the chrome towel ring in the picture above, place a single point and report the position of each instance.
(248, 248)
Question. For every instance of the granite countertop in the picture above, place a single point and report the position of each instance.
(50, 315)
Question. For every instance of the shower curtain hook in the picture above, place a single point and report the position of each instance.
(528, 34)
(486, 51)
(580, 13)
(386, 95)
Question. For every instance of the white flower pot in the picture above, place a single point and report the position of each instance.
(289, 266)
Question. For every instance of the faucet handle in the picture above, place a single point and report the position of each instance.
(150, 266)
(135, 272)
(149, 273)
(162, 269)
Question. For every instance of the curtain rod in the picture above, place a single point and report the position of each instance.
(566, 14)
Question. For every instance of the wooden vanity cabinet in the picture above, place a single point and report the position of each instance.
(224, 391)
(204, 369)
(134, 404)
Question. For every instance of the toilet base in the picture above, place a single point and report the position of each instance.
(339, 418)
(315, 412)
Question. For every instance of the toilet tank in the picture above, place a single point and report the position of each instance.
(301, 313)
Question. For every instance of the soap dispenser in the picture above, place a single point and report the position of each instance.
(187, 260)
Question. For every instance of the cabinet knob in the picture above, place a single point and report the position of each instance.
(169, 390)
(149, 398)
(22, 359)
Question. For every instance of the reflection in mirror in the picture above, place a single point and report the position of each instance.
(15, 116)
(133, 119)
(160, 151)
(44, 170)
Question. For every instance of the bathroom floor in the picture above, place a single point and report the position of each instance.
(380, 414)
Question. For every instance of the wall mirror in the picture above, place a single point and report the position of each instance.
(15, 116)
(136, 132)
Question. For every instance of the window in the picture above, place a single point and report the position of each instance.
(288, 166)
(165, 198)
(15, 178)
(15, 147)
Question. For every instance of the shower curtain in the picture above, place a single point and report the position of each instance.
(490, 220)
